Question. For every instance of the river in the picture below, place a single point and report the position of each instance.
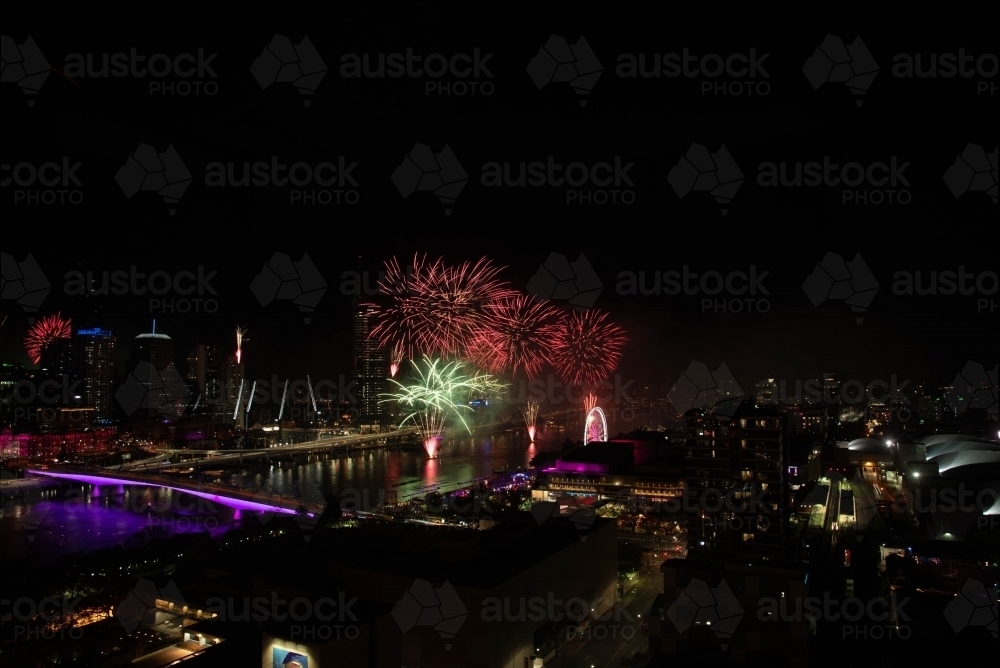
(64, 518)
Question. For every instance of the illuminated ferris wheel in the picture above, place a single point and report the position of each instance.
(596, 428)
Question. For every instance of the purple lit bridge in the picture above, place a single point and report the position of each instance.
(241, 499)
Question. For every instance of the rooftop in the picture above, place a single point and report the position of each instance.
(477, 559)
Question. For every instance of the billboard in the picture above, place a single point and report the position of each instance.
(283, 658)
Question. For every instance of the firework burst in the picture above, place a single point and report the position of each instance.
(530, 413)
(44, 333)
(435, 393)
(585, 348)
(241, 336)
(397, 358)
(484, 385)
(511, 335)
(435, 308)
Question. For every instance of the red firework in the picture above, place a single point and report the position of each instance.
(512, 335)
(586, 349)
(435, 308)
(44, 333)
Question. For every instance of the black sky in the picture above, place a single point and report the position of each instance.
(650, 122)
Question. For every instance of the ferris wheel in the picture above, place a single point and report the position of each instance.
(596, 428)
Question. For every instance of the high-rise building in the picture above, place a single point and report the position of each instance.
(371, 367)
(203, 368)
(739, 548)
(96, 368)
(737, 487)
(152, 363)
(58, 359)
(930, 408)
(156, 349)
(831, 387)
(196, 365)
(10, 376)
(231, 378)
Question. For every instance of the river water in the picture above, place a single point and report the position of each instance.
(64, 518)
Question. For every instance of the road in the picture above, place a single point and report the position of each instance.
(606, 642)
(831, 526)
(865, 509)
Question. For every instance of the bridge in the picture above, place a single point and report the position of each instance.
(166, 458)
(242, 499)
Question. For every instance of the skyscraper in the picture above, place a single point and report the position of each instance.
(152, 364)
(231, 377)
(203, 368)
(58, 359)
(96, 363)
(156, 349)
(371, 367)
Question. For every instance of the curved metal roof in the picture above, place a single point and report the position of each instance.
(937, 450)
(964, 458)
(868, 445)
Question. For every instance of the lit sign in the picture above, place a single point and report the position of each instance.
(283, 658)
(97, 331)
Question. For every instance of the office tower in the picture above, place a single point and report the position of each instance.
(156, 349)
(231, 377)
(96, 370)
(371, 367)
(203, 368)
(152, 364)
(831, 388)
(58, 359)
(196, 365)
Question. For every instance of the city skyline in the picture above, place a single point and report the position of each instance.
(675, 324)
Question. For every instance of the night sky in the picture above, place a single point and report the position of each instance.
(651, 122)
